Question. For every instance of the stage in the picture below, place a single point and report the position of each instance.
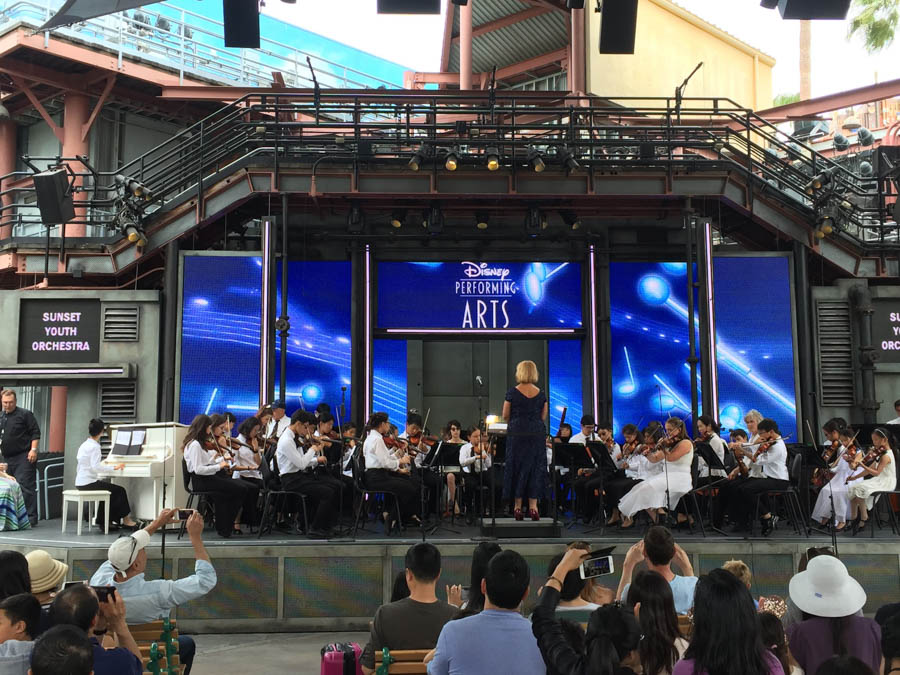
(283, 583)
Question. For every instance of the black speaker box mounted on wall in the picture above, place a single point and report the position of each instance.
(241, 19)
(410, 6)
(53, 197)
(618, 23)
(814, 9)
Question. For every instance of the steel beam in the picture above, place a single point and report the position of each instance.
(823, 104)
(505, 21)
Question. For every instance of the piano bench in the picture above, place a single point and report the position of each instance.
(80, 497)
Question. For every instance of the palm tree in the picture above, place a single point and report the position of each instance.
(805, 60)
(877, 20)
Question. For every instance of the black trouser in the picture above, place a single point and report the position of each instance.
(118, 500)
(250, 516)
(472, 483)
(585, 487)
(405, 488)
(321, 491)
(25, 474)
(229, 496)
(729, 492)
(752, 488)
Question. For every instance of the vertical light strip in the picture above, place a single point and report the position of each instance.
(264, 336)
(595, 382)
(711, 322)
(367, 337)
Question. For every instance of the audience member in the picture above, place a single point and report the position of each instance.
(481, 556)
(654, 607)
(400, 589)
(773, 638)
(772, 603)
(46, 575)
(79, 606)
(793, 614)
(829, 597)
(14, 576)
(570, 600)
(844, 665)
(62, 650)
(19, 617)
(594, 591)
(499, 638)
(151, 600)
(890, 644)
(726, 638)
(659, 551)
(612, 639)
(414, 622)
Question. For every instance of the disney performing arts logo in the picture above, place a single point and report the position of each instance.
(482, 270)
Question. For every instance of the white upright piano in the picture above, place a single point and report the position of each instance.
(153, 459)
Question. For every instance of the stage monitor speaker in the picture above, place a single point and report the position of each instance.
(410, 6)
(53, 197)
(814, 9)
(618, 23)
(241, 23)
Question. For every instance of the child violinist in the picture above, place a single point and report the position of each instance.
(835, 492)
(878, 474)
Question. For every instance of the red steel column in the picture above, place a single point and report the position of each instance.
(7, 166)
(577, 73)
(77, 111)
(465, 45)
(56, 438)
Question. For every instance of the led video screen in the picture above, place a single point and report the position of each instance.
(564, 382)
(479, 296)
(649, 327)
(389, 379)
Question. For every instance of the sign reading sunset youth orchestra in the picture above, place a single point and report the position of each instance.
(59, 331)
(886, 329)
(479, 296)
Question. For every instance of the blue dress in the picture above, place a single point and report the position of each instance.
(525, 473)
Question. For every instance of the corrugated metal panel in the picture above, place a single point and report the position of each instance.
(835, 352)
(516, 43)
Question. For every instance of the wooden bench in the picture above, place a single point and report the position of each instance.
(145, 634)
(685, 626)
(404, 661)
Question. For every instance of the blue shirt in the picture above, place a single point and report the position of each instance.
(15, 657)
(118, 661)
(489, 643)
(682, 592)
(147, 601)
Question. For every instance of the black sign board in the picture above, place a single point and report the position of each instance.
(886, 329)
(59, 331)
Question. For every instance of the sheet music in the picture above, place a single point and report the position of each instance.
(121, 442)
(137, 437)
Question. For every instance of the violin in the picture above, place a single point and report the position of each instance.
(870, 459)
(420, 438)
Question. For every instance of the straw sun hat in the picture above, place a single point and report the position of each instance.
(46, 573)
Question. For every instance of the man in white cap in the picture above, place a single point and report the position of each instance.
(145, 600)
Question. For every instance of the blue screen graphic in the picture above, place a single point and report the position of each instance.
(462, 296)
(389, 379)
(220, 333)
(564, 383)
(754, 348)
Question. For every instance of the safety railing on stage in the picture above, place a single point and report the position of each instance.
(624, 134)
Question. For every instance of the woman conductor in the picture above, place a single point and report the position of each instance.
(525, 411)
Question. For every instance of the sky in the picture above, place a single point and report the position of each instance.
(838, 63)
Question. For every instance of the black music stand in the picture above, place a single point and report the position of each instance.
(573, 456)
(441, 454)
(811, 459)
(708, 455)
(605, 467)
(334, 453)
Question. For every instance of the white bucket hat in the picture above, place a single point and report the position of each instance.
(827, 589)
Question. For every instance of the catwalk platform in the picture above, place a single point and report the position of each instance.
(282, 582)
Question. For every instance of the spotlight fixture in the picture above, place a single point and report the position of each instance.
(481, 220)
(866, 169)
(419, 157)
(355, 221)
(135, 235)
(865, 137)
(451, 161)
(825, 227)
(433, 220)
(397, 218)
(574, 4)
(840, 142)
(536, 160)
(567, 159)
(133, 186)
(492, 158)
(820, 180)
(535, 221)
(571, 219)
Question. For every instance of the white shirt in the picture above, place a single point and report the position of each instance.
(201, 461)
(244, 457)
(896, 420)
(719, 447)
(289, 457)
(471, 462)
(275, 429)
(377, 455)
(638, 467)
(773, 463)
(755, 469)
(89, 459)
(581, 439)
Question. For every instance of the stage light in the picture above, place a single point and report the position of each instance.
(840, 142)
(535, 221)
(536, 160)
(866, 169)
(418, 158)
(570, 218)
(481, 220)
(769, 4)
(355, 221)
(865, 137)
(574, 4)
(492, 158)
(566, 158)
(825, 226)
(491, 419)
(133, 186)
(433, 220)
(820, 180)
(397, 218)
(451, 161)
(851, 124)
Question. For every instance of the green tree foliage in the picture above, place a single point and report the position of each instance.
(877, 20)
(784, 99)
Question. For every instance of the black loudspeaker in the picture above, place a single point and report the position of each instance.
(814, 9)
(617, 26)
(53, 196)
(410, 6)
(241, 23)
(575, 4)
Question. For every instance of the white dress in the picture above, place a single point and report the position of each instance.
(839, 489)
(651, 493)
(883, 482)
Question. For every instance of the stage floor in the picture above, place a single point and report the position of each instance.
(286, 583)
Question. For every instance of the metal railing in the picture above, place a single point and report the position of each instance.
(624, 134)
(191, 44)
